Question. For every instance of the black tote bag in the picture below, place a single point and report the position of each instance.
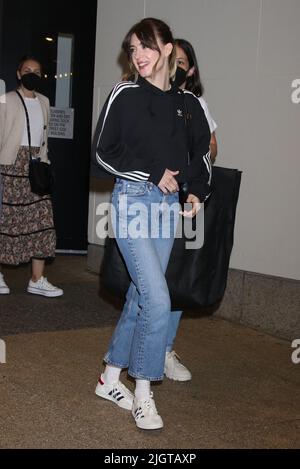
(196, 278)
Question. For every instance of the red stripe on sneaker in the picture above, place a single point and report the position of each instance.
(101, 382)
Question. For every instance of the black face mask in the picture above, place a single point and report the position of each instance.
(180, 76)
(31, 81)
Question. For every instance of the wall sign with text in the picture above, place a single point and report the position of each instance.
(61, 123)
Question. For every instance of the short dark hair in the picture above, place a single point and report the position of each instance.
(193, 83)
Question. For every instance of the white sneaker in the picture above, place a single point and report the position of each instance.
(116, 392)
(145, 414)
(44, 288)
(174, 369)
(4, 290)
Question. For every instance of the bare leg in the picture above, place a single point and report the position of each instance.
(38, 268)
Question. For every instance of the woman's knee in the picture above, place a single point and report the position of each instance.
(156, 299)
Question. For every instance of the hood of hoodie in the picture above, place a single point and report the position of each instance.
(154, 89)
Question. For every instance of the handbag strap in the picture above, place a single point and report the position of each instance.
(27, 122)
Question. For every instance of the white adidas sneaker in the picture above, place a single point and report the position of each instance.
(116, 392)
(145, 414)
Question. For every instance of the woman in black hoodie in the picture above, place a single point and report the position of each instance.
(152, 137)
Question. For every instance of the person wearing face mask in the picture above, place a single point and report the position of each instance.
(27, 232)
(188, 78)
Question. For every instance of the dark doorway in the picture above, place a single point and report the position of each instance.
(61, 33)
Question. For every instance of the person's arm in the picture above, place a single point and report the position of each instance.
(2, 120)
(199, 170)
(47, 124)
(109, 152)
(213, 147)
(213, 126)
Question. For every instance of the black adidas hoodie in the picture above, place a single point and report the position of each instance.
(143, 130)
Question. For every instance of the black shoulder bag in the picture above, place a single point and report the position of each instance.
(40, 173)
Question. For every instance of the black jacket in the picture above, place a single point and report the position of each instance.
(143, 130)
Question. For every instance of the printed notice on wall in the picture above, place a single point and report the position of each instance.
(61, 123)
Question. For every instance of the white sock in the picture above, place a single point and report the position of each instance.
(111, 374)
(142, 389)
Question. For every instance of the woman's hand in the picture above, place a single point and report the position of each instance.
(196, 206)
(168, 183)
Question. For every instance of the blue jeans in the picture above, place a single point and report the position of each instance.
(175, 317)
(140, 339)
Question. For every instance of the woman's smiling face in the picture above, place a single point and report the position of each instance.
(148, 62)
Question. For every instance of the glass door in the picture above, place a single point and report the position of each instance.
(62, 35)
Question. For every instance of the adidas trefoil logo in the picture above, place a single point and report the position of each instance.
(179, 113)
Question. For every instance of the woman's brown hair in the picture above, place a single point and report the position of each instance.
(147, 31)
